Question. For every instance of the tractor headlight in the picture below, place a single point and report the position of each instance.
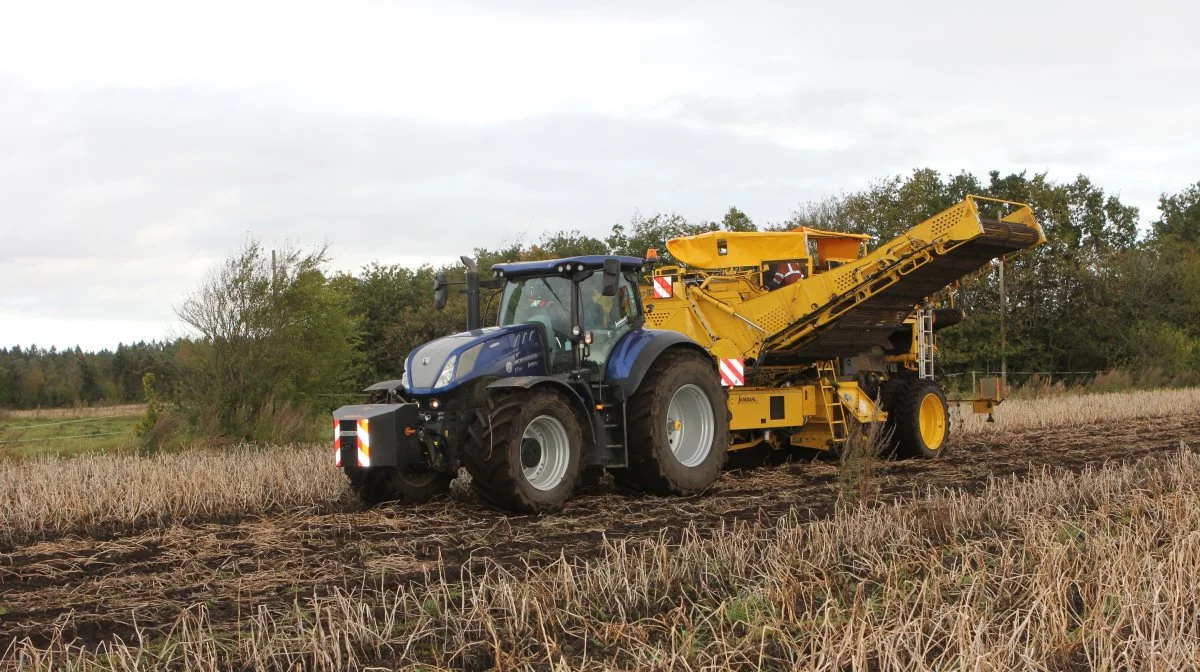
(447, 374)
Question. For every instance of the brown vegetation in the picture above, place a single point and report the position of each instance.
(122, 410)
(1067, 409)
(253, 560)
(1093, 570)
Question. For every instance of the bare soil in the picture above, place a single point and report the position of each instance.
(95, 588)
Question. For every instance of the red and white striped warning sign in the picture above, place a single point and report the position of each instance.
(733, 372)
(662, 287)
(337, 443)
(362, 437)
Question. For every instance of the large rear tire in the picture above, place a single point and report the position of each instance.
(678, 427)
(408, 485)
(920, 419)
(526, 452)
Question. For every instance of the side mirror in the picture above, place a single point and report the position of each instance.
(612, 276)
(441, 291)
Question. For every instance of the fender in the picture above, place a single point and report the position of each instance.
(636, 353)
(594, 428)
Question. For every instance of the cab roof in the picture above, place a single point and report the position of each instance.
(594, 261)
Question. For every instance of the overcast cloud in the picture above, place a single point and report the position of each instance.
(140, 143)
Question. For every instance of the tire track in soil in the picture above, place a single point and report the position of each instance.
(91, 588)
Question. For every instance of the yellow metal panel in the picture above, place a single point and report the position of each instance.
(859, 405)
(751, 406)
(814, 436)
(983, 405)
(838, 249)
(732, 249)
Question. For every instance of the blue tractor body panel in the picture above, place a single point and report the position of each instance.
(515, 350)
(636, 352)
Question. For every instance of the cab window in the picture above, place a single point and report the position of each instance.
(607, 317)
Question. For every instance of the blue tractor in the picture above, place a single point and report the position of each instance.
(568, 383)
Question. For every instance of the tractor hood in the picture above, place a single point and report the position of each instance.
(443, 364)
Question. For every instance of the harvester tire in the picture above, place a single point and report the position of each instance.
(526, 451)
(408, 485)
(920, 420)
(678, 428)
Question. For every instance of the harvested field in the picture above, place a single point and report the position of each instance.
(1075, 409)
(775, 568)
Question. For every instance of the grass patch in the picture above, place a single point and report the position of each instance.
(25, 435)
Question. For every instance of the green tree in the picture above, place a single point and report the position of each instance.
(736, 220)
(394, 306)
(1179, 216)
(265, 333)
(644, 233)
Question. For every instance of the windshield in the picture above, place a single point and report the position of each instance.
(546, 300)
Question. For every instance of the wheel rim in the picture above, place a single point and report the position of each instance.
(690, 425)
(545, 452)
(933, 421)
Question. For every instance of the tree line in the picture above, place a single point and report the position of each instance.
(36, 377)
(1100, 294)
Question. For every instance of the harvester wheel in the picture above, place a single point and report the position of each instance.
(920, 420)
(526, 452)
(678, 428)
(409, 485)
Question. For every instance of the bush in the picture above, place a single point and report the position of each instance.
(270, 332)
(1164, 347)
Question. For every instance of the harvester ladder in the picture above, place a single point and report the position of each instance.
(834, 412)
(925, 343)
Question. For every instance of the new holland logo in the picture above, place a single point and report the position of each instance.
(424, 361)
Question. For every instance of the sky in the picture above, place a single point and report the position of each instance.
(143, 142)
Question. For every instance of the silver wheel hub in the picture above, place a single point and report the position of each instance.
(545, 452)
(690, 425)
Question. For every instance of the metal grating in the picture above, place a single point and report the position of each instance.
(845, 282)
(943, 222)
(775, 320)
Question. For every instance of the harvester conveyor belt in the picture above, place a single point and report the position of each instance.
(882, 289)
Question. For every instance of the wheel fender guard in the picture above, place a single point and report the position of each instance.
(636, 353)
(594, 429)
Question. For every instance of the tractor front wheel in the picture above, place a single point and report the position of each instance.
(409, 484)
(526, 452)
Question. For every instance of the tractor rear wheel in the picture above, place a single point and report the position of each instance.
(920, 419)
(408, 484)
(678, 427)
(526, 451)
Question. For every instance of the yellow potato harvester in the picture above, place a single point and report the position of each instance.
(810, 330)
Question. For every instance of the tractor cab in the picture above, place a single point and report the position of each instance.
(582, 306)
